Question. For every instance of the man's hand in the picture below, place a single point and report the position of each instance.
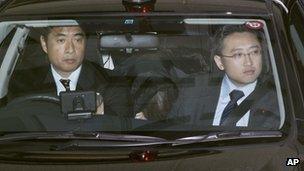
(100, 105)
(100, 109)
(141, 116)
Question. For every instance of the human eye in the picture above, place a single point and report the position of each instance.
(79, 39)
(60, 40)
(238, 55)
(255, 52)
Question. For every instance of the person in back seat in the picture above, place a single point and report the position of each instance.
(153, 97)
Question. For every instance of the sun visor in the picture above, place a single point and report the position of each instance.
(129, 41)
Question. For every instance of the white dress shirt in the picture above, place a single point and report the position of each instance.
(73, 79)
(226, 87)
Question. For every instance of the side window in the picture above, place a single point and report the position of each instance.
(297, 35)
(5, 44)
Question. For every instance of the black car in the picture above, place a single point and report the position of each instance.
(148, 87)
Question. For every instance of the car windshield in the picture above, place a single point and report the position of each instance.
(139, 74)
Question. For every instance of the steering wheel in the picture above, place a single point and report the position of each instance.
(24, 113)
(35, 97)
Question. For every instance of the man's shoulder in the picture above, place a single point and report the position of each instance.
(265, 112)
(95, 69)
(92, 65)
(265, 88)
(30, 80)
(30, 74)
(93, 75)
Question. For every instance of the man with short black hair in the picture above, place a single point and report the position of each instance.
(68, 70)
(244, 97)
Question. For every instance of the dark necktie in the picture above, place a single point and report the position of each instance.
(235, 95)
(66, 84)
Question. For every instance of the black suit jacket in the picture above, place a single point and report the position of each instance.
(198, 98)
(91, 78)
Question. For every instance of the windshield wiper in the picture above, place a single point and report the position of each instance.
(77, 140)
(130, 140)
(107, 140)
(227, 135)
(76, 136)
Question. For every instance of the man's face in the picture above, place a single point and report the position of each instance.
(246, 65)
(65, 47)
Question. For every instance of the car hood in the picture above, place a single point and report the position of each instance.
(270, 156)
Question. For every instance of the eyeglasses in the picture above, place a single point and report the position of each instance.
(241, 55)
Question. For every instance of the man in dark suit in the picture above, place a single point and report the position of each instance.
(242, 96)
(65, 47)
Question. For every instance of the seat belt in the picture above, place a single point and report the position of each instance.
(237, 113)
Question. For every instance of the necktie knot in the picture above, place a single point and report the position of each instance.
(65, 83)
(235, 95)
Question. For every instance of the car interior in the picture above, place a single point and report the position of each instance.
(177, 52)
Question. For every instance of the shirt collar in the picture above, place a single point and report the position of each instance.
(73, 77)
(228, 86)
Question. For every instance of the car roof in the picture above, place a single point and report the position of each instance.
(18, 8)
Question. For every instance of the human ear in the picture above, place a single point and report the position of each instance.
(218, 62)
(43, 43)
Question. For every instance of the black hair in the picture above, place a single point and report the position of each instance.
(227, 30)
(154, 97)
(160, 104)
(45, 31)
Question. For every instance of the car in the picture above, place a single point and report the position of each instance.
(154, 81)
